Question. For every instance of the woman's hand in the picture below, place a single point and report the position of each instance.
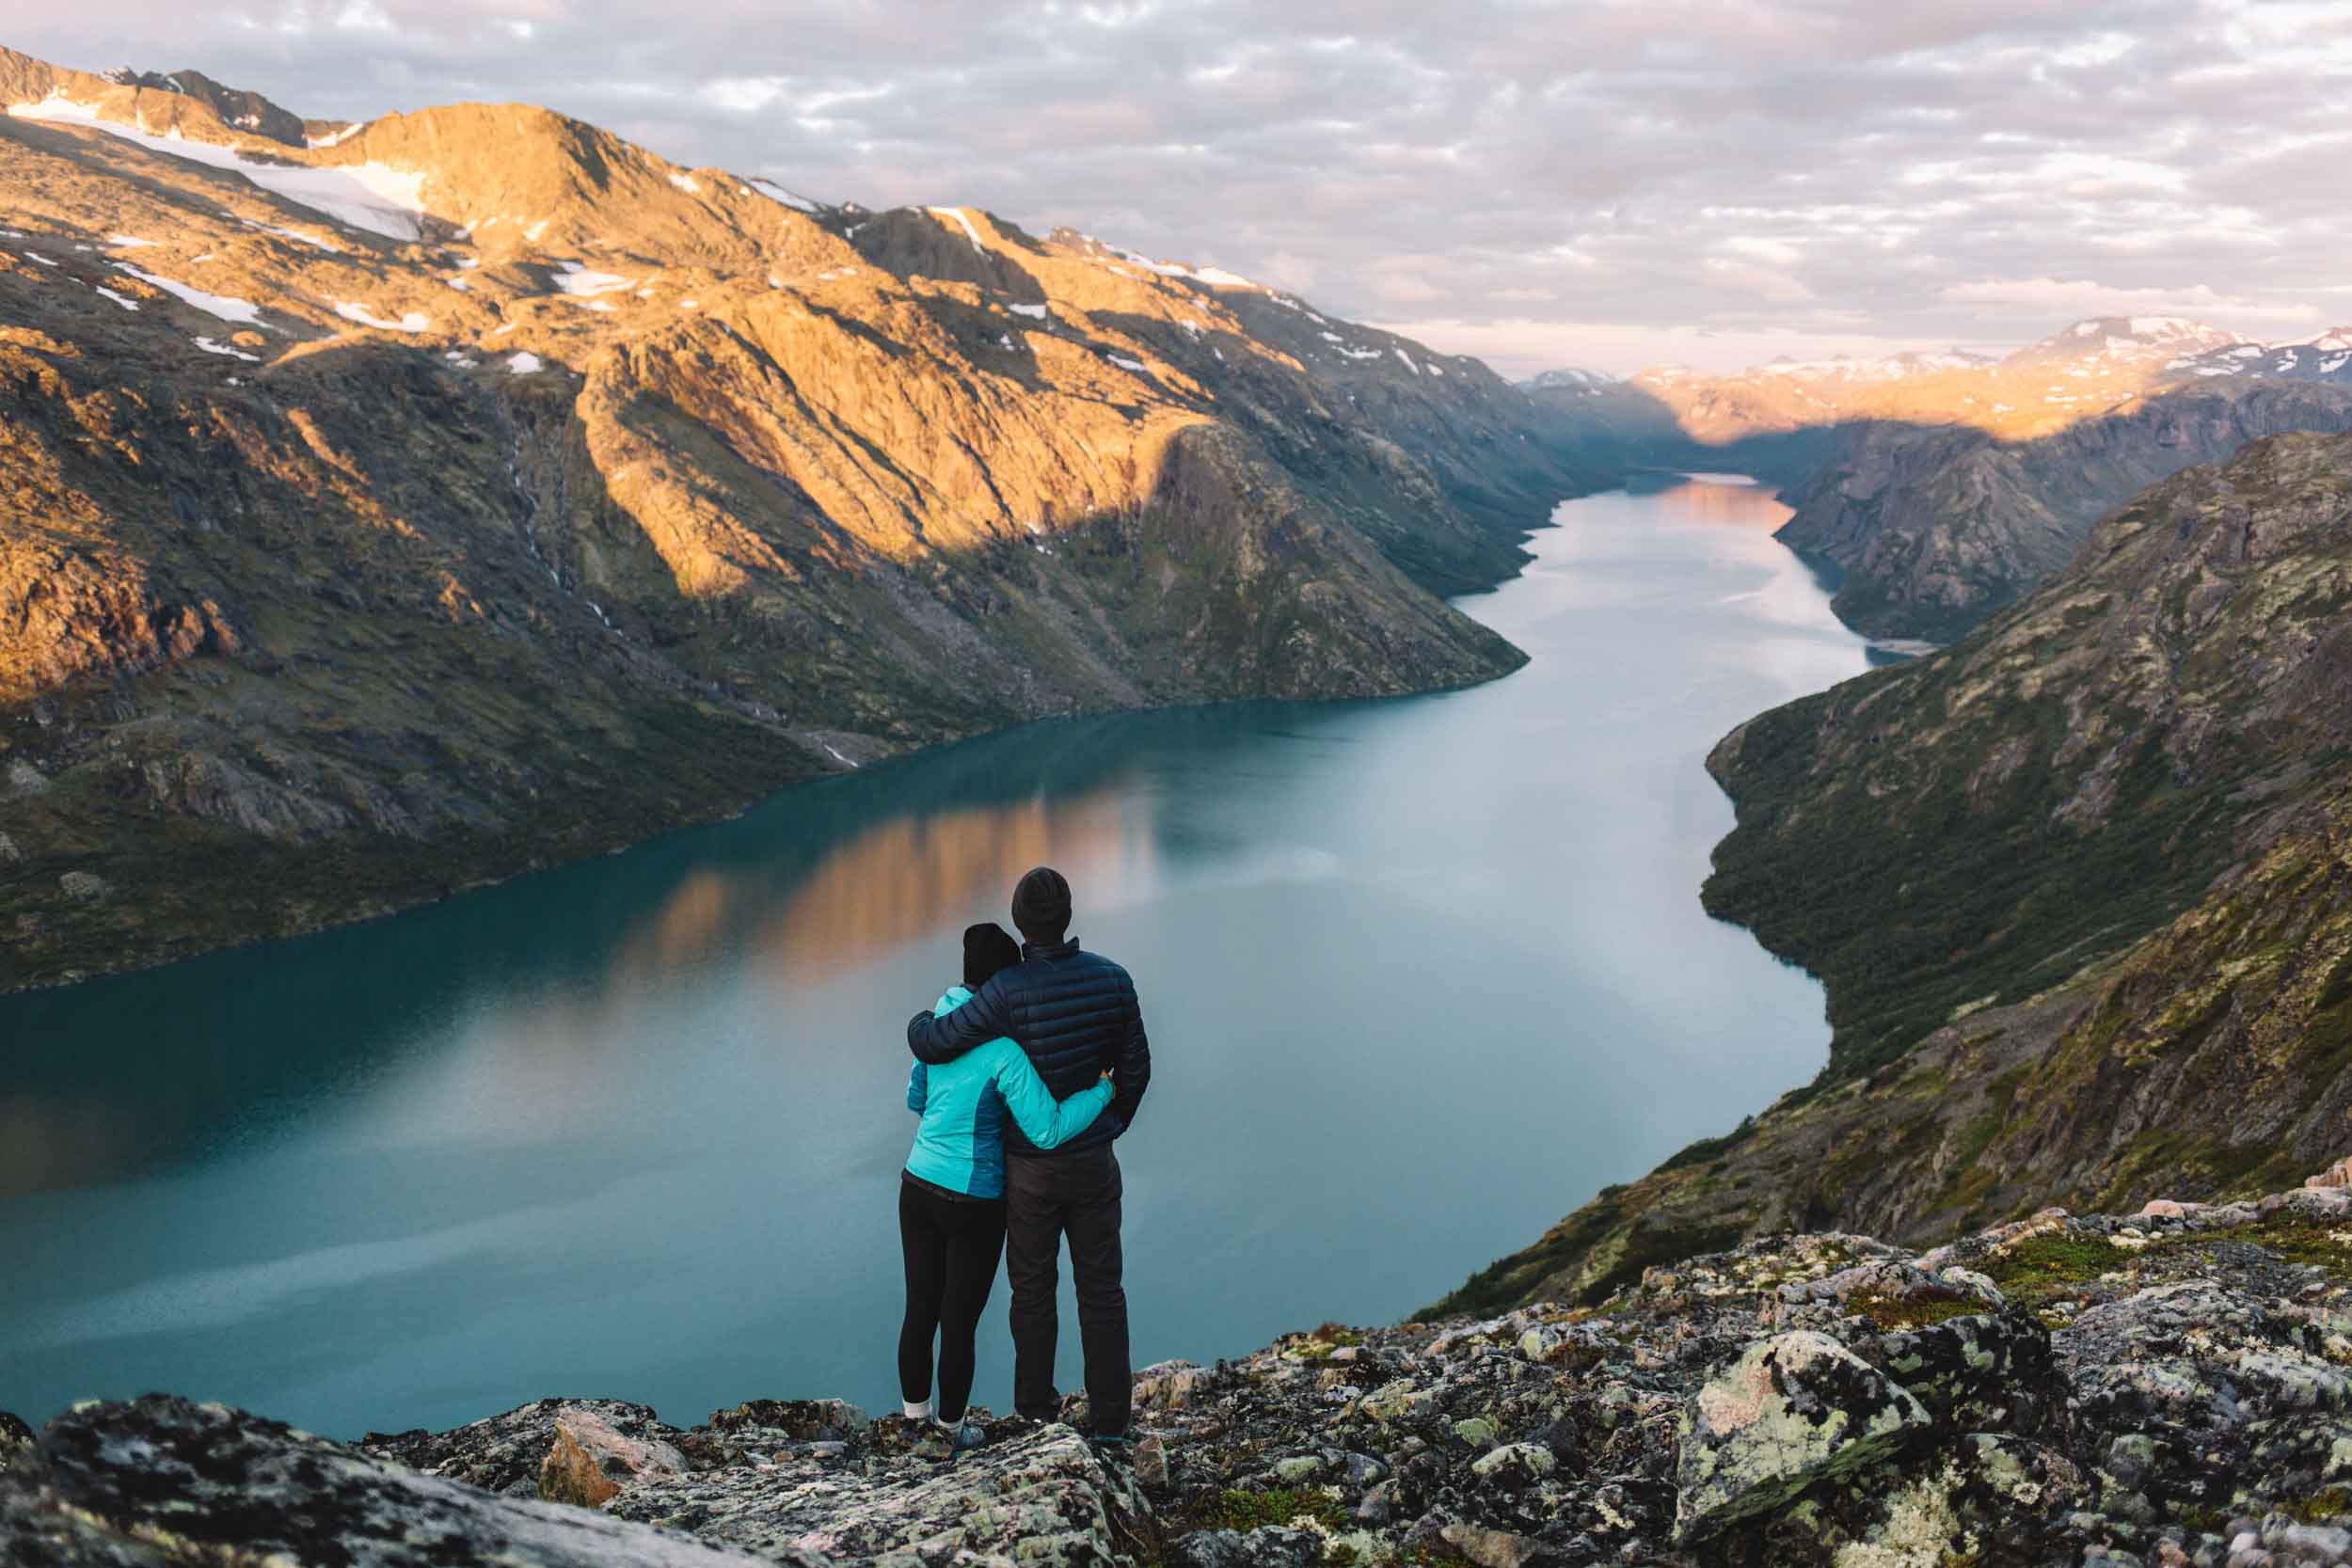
(1107, 1076)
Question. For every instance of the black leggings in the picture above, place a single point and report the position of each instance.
(952, 1248)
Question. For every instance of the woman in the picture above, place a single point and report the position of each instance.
(951, 1196)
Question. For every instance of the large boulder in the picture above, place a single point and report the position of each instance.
(589, 1461)
(1790, 1411)
(1275, 1546)
(1044, 1498)
(160, 1479)
(508, 1453)
(1976, 1373)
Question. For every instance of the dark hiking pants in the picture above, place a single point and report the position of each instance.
(951, 1246)
(1074, 1195)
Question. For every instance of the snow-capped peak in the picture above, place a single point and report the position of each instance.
(1568, 376)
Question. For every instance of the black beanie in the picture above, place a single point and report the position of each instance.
(1040, 905)
(987, 948)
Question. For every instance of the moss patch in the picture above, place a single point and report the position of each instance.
(1921, 1310)
(2041, 1268)
(1233, 1509)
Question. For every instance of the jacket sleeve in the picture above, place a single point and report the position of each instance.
(1041, 1120)
(1135, 1066)
(940, 1038)
(918, 1087)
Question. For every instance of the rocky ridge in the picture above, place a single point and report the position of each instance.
(2170, 1387)
(472, 489)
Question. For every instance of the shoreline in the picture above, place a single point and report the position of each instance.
(725, 808)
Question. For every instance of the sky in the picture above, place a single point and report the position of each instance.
(1589, 182)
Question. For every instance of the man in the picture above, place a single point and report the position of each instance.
(1074, 1014)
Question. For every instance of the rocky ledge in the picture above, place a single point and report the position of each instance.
(2173, 1387)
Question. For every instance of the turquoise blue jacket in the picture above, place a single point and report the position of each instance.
(961, 1143)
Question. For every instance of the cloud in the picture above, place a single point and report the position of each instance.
(2082, 297)
(1819, 172)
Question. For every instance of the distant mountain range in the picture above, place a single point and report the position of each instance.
(1942, 486)
(398, 505)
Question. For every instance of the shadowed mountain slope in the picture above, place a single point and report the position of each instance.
(473, 489)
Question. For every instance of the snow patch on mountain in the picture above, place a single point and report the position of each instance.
(223, 306)
(580, 282)
(415, 321)
(374, 198)
(969, 232)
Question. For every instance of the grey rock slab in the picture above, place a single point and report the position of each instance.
(201, 1483)
(1789, 1410)
(1045, 1498)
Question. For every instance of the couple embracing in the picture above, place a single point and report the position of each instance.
(1024, 1075)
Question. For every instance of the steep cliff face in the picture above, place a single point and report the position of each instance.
(473, 488)
(2078, 888)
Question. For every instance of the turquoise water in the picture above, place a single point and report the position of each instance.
(1420, 975)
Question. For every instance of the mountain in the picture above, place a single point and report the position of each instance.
(2080, 889)
(2327, 357)
(472, 489)
(1942, 486)
(1567, 379)
(2055, 1391)
(1933, 527)
(2123, 341)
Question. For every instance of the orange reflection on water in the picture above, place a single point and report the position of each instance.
(687, 927)
(1751, 506)
(905, 879)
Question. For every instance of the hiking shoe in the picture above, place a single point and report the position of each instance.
(1114, 1448)
(960, 1437)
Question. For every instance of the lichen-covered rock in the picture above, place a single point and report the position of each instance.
(1974, 1373)
(2166, 1389)
(1275, 1546)
(82, 887)
(507, 1453)
(15, 1437)
(160, 1479)
(590, 1462)
(1791, 1410)
(1040, 1494)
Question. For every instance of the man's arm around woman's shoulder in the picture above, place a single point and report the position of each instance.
(940, 1037)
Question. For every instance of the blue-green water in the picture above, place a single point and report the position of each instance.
(1420, 975)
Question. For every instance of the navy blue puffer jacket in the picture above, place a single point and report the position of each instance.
(1074, 1013)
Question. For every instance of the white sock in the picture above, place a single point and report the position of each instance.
(918, 1412)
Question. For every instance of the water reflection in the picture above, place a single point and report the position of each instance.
(887, 887)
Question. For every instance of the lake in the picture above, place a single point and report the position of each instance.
(1419, 975)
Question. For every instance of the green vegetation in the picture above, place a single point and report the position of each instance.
(1921, 1310)
(1706, 1150)
(1319, 1346)
(2015, 899)
(2309, 1243)
(2205, 1518)
(2319, 1508)
(1233, 1509)
(2044, 1268)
